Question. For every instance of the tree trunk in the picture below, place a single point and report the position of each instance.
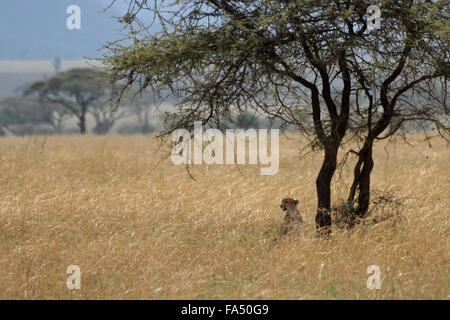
(361, 181)
(323, 188)
(146, 127)
(82, 120)
(355, 183)
(82, 124)
(103, 127)
(364, 183)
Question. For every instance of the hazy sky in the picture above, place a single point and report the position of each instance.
(37, 29)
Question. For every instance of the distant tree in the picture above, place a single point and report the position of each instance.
(274, 56)
(56, 64)
(59, 116)
(19, 111)
(246, 120)
(141, 106)
(105, 118)
(76, 90)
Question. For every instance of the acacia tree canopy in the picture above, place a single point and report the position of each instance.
(276, 57)
(80, 91)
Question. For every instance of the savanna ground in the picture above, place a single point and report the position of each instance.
(141, 228)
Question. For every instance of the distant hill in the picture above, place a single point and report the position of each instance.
(36, 29)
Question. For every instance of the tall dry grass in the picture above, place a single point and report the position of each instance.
(141, 228)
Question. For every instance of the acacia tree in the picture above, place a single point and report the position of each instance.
(76, 90)
(222, 56)
(408, 84)
(105, 118)
(19, 111)
(142, 105)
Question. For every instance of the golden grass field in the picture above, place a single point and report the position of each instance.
(141, 228)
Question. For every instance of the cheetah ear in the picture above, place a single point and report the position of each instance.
(296, 202)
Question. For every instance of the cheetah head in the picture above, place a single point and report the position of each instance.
(287, 203)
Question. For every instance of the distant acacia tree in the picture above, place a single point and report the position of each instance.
(246, 120)
(79, 91)
(56, 64)
(105, 118)
(141, 106)
(59, 116)
(20, 111)
(219, 56)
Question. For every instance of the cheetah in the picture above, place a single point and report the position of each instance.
(293, 220)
